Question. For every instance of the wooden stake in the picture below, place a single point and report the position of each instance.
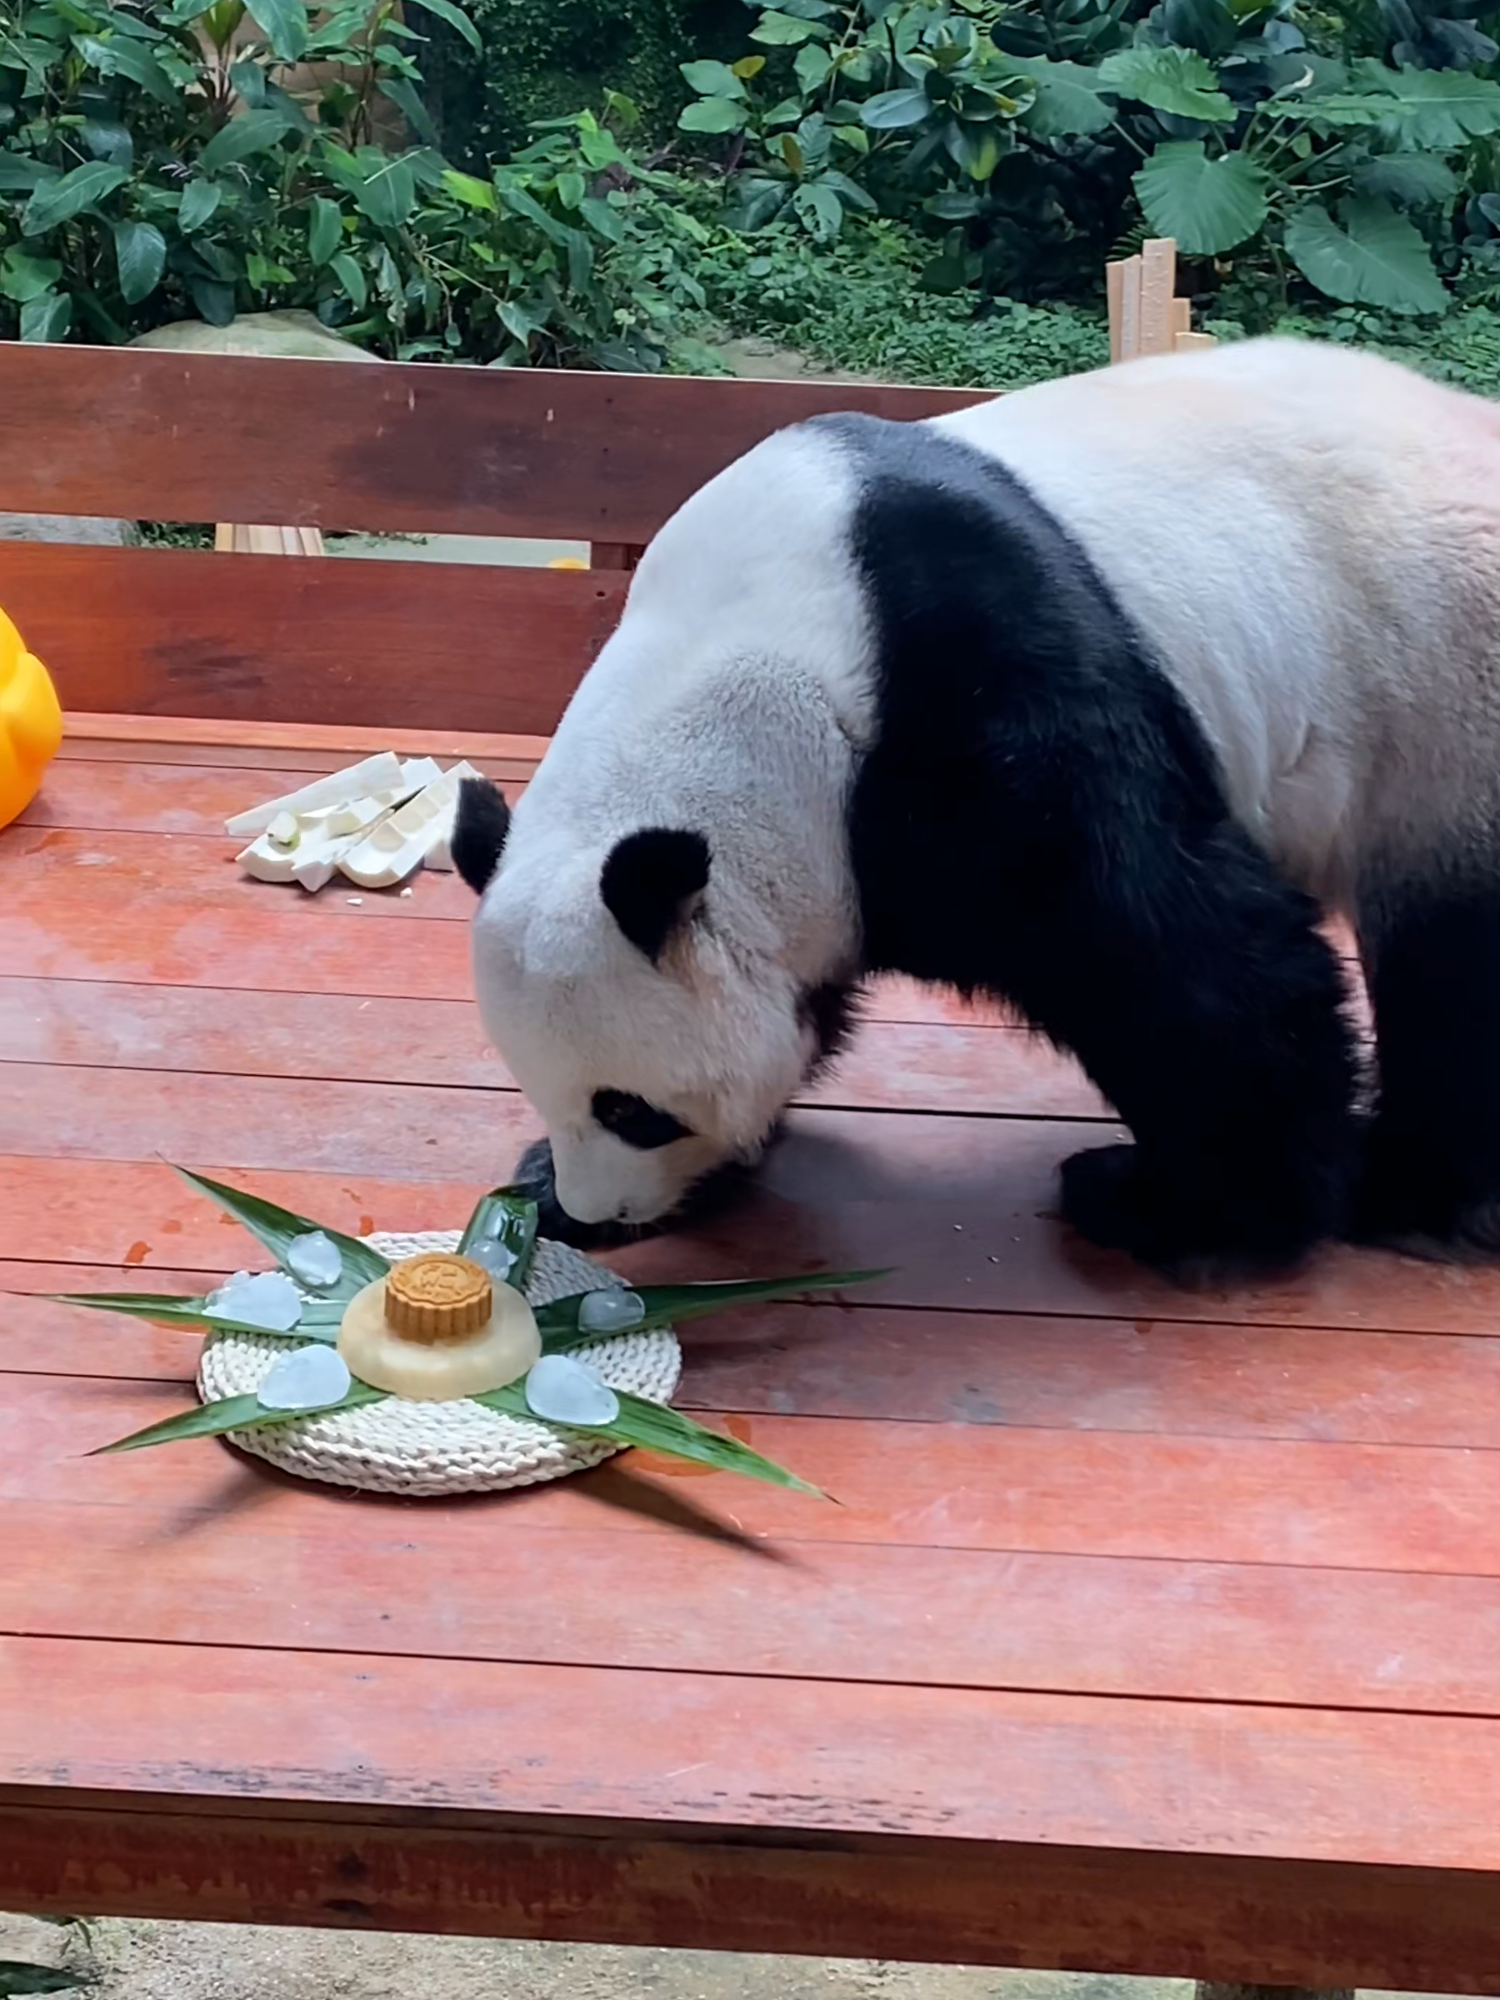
(235, 538)
(1158, 283)
(1145, 316)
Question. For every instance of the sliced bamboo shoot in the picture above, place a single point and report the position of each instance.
(372, 775)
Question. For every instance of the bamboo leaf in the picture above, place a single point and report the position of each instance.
(669, 1305)
(655, 1427)
(17, 1977)
(507, 1216)
(231, 1413)
(277, 1227)
(319, 1321)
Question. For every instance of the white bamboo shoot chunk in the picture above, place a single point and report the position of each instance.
(373, 775)
(400, 844)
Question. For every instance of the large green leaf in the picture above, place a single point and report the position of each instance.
(670, 1305)
(781, 31)
(1371, 256)
(655, 1427)
(199, 200)
(1409, 179)
(112, 55)
(47, 317)
(70, 194)
(456, 18)
(255, 132)
(1438, 110)
(471, 192)
(325, 229)
(890, 110)
(319, 1321)
(24, 277)
(712, 79)
(1209, 206)
(140, 259)
(389, 195)
(403, 94)
(276, 1227)
(351, 277)
(232, 1413)
(507, 1216)
(1177, 81)
(711, 114)
(1067, 104)
(284, 25)
(18, 1977)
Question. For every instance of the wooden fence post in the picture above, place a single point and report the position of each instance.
(1145, 315)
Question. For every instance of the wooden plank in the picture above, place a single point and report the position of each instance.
(844, 1190)
(71, 895)
(892, 1066)
(714, 1751)
(280, 1570)
(193, 798)
(932, 1899)
(907, 1365)
(1158, 283)
(197, 798)
(956, 1486)
(184, 632)
(154, 739)
(68, 917)
(121, 431)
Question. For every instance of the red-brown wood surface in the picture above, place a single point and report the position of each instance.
(178, 437)
(186, 632)
(1153, 1631)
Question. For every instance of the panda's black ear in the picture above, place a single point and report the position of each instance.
(479, 829)
(651, 882)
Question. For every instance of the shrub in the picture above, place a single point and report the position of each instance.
(1040, 135)
(155, 163)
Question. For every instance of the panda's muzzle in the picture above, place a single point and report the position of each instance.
(536, 1177)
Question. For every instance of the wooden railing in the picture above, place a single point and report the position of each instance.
(144, 435)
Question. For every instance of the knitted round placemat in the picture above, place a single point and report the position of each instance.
(424, 1449)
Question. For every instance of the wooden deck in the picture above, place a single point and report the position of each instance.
(1152, 1632)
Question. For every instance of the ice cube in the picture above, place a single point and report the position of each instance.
(309, 1378)
(316, 1259)
(610, 1311)
(269, 1300)
(494, 1258)
(565, 1392)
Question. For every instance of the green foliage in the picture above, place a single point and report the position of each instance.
(18, 1977)
(860, 305)
(156, 165)
(1035, 137)
(544, 60)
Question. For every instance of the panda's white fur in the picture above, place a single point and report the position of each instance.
(1302, 541)
(1310, 538)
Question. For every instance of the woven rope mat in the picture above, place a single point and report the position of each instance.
(425, 1449)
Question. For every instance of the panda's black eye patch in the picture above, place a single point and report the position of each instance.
(635, 1121)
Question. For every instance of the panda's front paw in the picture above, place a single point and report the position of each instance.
(1116, 1205)
(1401, 1205)
(1101, 1197)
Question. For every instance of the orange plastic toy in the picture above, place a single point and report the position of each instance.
(30, 723)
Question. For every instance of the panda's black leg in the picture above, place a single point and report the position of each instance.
(1209, 1009)
(1431, 1172)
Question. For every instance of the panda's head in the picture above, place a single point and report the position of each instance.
(658, 1045)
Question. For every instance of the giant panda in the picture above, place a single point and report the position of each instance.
(1092, 698)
